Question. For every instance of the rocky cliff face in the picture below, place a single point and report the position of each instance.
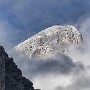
(55, 39)
(10, 75)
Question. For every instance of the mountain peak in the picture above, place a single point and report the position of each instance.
(52, 40)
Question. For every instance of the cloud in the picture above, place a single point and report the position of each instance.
(58, 70)
(59, 64)
(4, 34)
(81, 82)
(7, 36)
(81, 52)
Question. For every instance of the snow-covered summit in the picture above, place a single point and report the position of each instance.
(52, 40)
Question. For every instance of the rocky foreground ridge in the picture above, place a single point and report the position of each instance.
(52, 40)
(11, 76)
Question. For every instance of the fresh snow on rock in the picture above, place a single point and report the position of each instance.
(52, 40)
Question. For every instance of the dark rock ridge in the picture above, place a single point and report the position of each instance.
(11, 76)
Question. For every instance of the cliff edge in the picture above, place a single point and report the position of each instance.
(10, 75)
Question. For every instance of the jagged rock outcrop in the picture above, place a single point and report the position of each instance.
(10, 75)
(55, 39)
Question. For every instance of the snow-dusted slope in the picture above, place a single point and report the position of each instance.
(52, 40)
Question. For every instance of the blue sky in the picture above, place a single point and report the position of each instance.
(20, 19)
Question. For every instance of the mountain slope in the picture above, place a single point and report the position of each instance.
(52, 40)
(10, 75)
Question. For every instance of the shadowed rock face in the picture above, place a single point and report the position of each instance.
(10, 76)
(52, 40)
